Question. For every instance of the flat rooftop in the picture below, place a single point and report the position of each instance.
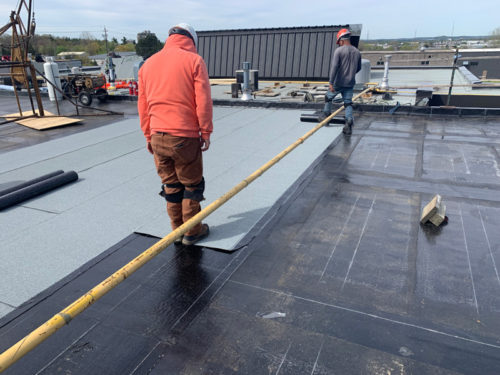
(338, 277)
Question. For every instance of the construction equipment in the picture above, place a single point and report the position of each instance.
(22, 71)
(85, 87)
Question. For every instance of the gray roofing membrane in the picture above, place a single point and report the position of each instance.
(241, 147)
(117, 192)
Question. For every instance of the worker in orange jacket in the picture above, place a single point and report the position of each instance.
(175, 111)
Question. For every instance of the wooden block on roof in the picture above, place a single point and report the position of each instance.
(42, 123)
(266, 94)
(439, 216)
(434, 211)
(430, 209)
(268, 91)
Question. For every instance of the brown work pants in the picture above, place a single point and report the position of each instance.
(178, 161)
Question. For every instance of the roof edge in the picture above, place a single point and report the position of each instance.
(355, 28)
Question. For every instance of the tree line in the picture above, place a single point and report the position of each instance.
(49, 45)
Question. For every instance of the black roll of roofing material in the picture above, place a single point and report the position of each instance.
(39, 188)
(30, 182)
(314, 117)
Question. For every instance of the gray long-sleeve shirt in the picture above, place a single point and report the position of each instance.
(346, 63)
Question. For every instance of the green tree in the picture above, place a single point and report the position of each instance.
(148, 45)
(93, 48)
(406, 46)
(129, 47)
(5, 44)
(60, 49)
(124, 41)
(366, 46)
(44, 44)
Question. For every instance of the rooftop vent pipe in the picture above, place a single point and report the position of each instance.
(246, 91)
(385, 80)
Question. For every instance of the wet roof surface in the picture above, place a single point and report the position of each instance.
(341, 279)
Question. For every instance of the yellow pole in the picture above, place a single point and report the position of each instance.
(36, 337)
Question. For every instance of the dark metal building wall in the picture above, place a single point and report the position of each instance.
(284, 53)
(478, 62)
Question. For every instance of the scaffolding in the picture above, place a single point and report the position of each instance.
(23, 73)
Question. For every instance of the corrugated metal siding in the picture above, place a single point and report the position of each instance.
(283, 53)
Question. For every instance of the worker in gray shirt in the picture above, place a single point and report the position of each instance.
(345, 64)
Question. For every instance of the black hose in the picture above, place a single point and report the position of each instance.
(36, 189)
(30, 182)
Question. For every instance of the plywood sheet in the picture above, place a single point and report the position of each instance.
(42, 123)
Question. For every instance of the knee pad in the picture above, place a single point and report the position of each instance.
(173, 197)
(196, 191)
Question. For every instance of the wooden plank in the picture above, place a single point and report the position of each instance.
(266, 94)
(439, 216)
(431, 209)
(42, 123)
(222, 81)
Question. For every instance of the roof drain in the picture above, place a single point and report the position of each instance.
(246, 92)
(385, 80)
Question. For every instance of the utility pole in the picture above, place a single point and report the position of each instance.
(452, 75)
(110, 67)
(105, 35)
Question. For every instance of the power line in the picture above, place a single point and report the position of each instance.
(69, 32)
(110, 32)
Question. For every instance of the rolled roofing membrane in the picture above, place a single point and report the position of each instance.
(37, 188)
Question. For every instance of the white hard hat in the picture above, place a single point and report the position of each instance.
(187, 28)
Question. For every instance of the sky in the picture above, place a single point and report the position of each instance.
(379, 18)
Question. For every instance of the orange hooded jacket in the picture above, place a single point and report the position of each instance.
(174, 92)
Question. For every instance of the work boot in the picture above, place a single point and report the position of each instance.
(190, 208)
(191, 240)
(347, 130)
(174, 211)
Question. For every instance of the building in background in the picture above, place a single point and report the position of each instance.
(278, 53)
